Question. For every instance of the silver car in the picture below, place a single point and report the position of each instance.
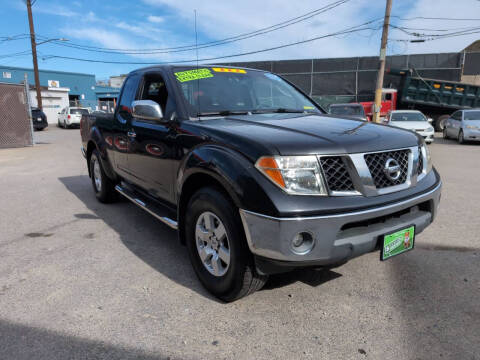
(463, 125)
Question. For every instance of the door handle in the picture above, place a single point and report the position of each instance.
(131, 134)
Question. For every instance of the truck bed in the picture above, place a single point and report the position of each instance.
(440, 93)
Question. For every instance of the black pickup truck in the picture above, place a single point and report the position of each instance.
(255, 177)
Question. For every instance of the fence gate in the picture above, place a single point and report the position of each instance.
(15, 124)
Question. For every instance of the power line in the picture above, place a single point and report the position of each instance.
(228, 40)
(350, 30)
(436, 18)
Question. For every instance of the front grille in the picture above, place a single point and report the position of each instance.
(336, 174)
(376, 164)
(420, 162)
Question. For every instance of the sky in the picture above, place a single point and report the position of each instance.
(160, 24)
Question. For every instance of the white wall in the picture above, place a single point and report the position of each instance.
(53, 101)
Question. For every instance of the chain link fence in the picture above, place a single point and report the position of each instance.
(353, 79)
(15, 118)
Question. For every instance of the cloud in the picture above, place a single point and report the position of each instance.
(155, 19)
(218, 20)
(444, 9)
(58, 10)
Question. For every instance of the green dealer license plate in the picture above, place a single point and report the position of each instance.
(397, 243)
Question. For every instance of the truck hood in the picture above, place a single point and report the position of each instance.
(301, 134)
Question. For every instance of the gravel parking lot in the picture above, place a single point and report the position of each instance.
(80, 279)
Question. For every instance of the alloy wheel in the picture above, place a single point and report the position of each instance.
(212, 244)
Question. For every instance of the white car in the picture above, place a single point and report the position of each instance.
(70, 116)
(412, 120)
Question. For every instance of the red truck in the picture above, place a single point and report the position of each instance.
(389, 102)
(435, 98)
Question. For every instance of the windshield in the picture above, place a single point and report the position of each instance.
(347, 110)
(410, 116)
(222, 91)
(79, 111)
(471, 115)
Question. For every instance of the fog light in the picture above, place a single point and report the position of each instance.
(297, 240)
(302, 243)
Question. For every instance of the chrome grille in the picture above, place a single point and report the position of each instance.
(336, 174)
(376, 164)
(420, 162)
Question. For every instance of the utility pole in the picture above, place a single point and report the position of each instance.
(34, 55)
(381, 70)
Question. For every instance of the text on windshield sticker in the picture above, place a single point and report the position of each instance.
(238, 71)
(195, 74)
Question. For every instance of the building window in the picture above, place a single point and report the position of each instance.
(7, 75)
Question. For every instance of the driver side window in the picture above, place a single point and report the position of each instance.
(457, 115)
(154, 88)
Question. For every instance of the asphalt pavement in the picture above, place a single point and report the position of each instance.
(82, 280)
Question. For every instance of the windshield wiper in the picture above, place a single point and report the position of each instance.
(222, 113)
(278, 110)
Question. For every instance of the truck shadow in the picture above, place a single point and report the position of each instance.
(18, 341)
(157, 245)
(153, 242)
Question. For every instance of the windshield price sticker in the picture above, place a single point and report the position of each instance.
(195, 74)
(238, 71)
(398, 242)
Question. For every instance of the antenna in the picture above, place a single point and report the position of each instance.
(196, 51)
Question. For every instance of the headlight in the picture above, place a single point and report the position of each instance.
(427, 158)
(473, 127)
(430, 129)
(299, 175)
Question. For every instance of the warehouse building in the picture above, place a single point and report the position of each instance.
(60, 88)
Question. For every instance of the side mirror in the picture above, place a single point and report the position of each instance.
(147, 110)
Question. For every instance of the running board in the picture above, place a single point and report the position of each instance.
(153, 209)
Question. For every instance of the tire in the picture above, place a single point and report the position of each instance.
(445, 135)
(461, 139)
(440, 122)
(103, 186)
(228, 280)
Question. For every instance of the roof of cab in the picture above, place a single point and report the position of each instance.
(170, 66)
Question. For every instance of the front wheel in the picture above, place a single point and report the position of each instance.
(461, 139)
(217, 246)
(103, 186)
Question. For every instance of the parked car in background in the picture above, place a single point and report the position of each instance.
(412, 120)
(94, 112)
(39, 119)
(255, 177)
(463, 125)
(351, 110)
(71, 116)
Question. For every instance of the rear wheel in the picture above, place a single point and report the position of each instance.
(217, 246)
(103, 186)
(440, 123)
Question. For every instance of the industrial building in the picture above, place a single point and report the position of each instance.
(60, 88)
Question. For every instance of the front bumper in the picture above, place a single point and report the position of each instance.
(338, 237)
(428, 136)
(471, 134)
